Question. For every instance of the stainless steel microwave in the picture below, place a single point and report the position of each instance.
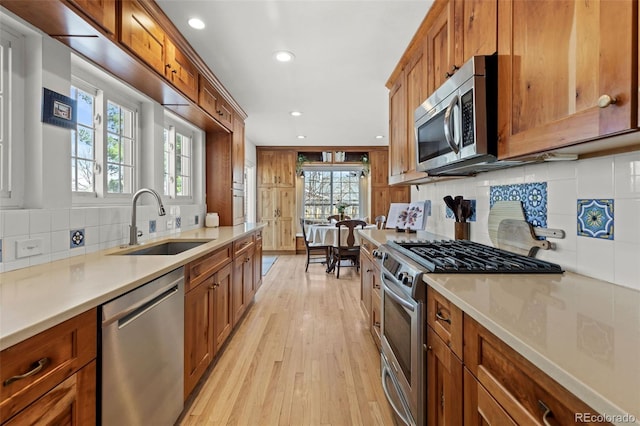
(456, 127)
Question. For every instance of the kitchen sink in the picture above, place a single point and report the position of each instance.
(168, 248)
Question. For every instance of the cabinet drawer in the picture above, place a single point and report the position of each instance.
(446, 320)
(367, 247)
(61, 350)
(200, 269)
(521, 389)
(241, 245)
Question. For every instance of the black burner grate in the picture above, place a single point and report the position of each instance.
(462, 256)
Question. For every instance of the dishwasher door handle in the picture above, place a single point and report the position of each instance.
(146, 307)
(140, 304)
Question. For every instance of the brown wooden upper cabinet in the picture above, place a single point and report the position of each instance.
(102, 12)
(398, 141)
(148, 41)
(276, 168)
(567, 73)
(212, 102)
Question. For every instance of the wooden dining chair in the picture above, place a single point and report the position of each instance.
(349, 251)
(316, 253)
(336, 217)
(380, 221)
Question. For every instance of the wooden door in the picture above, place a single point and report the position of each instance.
(102, 12)
(379, 168)
(416, 94)
(444, 383)
(269, 235)
(398, 161)
(286, 171)
(238, 301)
(267, 164)
(237, 153)
(222, 311)
(198, 332)
(180, 71)
(440, 49)
(72, 402)
(476, 29)
(142, 35)
(557, 59)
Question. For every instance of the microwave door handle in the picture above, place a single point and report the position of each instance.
(448, 125)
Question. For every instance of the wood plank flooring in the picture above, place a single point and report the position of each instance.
(302, 356)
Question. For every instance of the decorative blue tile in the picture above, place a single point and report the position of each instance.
(152, 226)
(449, 213)
(595, 218)
(178, 222)
(77, 238)
(532, 195)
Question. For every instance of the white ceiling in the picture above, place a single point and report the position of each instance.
(345, 52)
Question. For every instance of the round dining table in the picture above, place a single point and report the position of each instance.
(327, 234)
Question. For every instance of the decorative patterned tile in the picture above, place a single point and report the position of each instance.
(595, 218)
(77, 238)
(152, 226)
(533, 196)
(178, 222)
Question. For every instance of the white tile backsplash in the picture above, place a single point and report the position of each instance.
(104, 228)
(615, 176)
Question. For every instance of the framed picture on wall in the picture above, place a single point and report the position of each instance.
(58, 109)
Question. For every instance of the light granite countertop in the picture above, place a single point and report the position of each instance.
(582, 332)
(37, 298)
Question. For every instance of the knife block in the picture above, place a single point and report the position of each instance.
(461, 230)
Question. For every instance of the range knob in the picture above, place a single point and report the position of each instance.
(377, 254)
(407, 280)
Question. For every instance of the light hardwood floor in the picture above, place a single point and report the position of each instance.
(302, 356)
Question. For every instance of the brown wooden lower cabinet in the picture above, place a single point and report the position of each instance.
(51, 376)
(479, 407)
(444, 383)
(525, 393)
(72, 402)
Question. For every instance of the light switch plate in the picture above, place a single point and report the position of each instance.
(26, 248)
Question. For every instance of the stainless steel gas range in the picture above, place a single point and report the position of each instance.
(404, 262)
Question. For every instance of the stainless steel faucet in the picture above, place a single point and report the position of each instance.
(133, 229)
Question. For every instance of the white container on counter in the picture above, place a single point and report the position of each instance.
(212, 220)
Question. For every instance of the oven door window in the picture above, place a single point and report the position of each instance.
(397, 331)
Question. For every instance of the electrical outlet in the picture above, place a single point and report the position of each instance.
(169, 224)
(196, 219)
(26, 248)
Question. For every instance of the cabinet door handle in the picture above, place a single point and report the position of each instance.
(442, 318)
(547, 413)
(36, 367)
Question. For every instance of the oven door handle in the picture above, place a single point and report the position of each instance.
(385, 373)
(389, 291)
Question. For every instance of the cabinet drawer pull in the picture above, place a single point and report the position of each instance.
(441, 318)
(547, 413)
(36, 367)
(606, 100)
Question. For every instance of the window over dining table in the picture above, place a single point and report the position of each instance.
(327, 190)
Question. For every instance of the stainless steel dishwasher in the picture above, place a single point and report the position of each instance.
(142, 359)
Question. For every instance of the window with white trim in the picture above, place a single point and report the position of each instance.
(325, 190)
(11, 89)
(178, 159)
(105, 141)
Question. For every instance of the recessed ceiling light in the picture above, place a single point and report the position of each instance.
(301, 136)
(296, 113)
(379, 137)
(284, 56)
(196, 23)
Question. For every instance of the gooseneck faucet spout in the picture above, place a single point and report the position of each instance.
(133, 229)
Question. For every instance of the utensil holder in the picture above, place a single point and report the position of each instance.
(461, 230)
